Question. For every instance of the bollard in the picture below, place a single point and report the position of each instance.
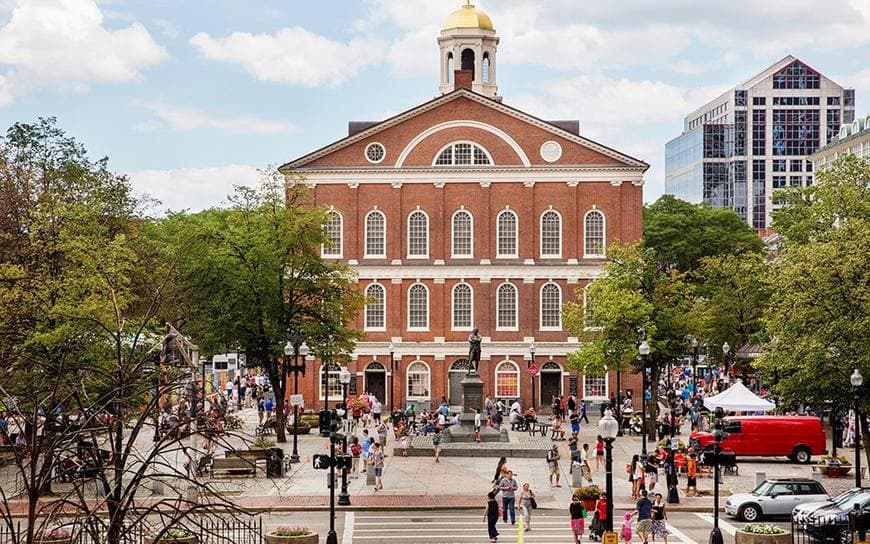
(759, 478)
(576, 475)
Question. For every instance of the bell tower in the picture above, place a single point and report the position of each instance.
(468, 52)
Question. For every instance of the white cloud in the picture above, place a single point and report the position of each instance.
(292, 55)
(63, 43)
(182, 119)
(193, 188)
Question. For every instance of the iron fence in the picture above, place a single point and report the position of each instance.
(821, 530)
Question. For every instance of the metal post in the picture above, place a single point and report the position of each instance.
(344, 497)
(294, 458)
(608, 470)
(857, 438)
(617, 410)
(331, 537)
(643, 407)
(716, 533)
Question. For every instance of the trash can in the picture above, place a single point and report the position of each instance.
(274, 463)
(576, 475)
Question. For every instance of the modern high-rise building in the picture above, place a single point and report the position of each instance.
(757, 137)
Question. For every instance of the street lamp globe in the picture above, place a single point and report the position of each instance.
(288, 349)
(344, 376)
(303, 350)
(856, 378)
(532, 349)
(392, 348)
(694, 342)
(643, 349)
(608, 427)
(726, 348)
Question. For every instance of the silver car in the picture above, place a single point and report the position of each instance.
(776, 497)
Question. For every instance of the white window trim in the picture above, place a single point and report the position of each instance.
(408, 394)
(366, 236)
(603, 233)
(408, 237)
(606, 388)
(516, 236)
(516, 308)
(323, 248)
(472, 165)
(453, 326)
(366, 152)
(453, 254)
(320, 387)
(585, 299)
(519, 379)
(552, 371)
(541, 235)
(366, 310)
(541, 307)
(408, 305)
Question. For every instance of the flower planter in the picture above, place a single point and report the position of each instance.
(164, 540)
(742, 537)
(310, 538)
(834, 471)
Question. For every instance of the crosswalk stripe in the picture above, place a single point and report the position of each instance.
(723, 525)
(347, 537)
(680, 535)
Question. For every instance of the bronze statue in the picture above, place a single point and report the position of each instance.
(474, 350)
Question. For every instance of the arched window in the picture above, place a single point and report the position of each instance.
(463, 234)
(588, 313)
(330, 385)
(467, 60)
(419, 381)
(551, 234)
(450, 68)
(463, 313)
(506, 234)
(332, 230)
(507, 380)
(418, 307)
(486, 67)
(593, 234)
(375, 311)
(463, 154)
(506, 307)
(551, 307)
(418, 235)
(376, 233)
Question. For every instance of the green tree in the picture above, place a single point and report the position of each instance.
(818, 319)
(254, 271)
(682, 234)
(636, 292)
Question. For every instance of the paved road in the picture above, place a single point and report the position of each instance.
(466, 527)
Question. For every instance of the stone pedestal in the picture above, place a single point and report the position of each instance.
(472, 393)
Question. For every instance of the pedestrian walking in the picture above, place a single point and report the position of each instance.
(660, 518)
(599, 518)
(382, 434)
(625, 532)
(500, 471)
(583, 415)
(366, 448)
(490, 516)
(553, 462)
(643, 511)
(508, 488)
(578, 518)
(376, 460)
(635, 475)
(692, 475)
(436, 444)
(477, 422)
(599, 452)
(527, 504)
(355, 452)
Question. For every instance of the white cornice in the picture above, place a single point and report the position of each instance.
(494, 351)
(572, 176)
(484, 273)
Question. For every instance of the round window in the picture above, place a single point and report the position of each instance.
(551, 151)
(375, 152)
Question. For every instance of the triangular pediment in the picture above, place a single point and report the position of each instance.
(411, 138)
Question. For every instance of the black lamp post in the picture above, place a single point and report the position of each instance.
(296, 346)
(532, 350)
(718, 435)
(392, 349)
(694, 366)
(643, 350)
(343, 497)
(857, 380)
(725, 349)
(608, 428)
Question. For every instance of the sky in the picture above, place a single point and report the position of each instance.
(189, 97)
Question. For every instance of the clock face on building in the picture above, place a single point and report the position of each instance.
(551, 151)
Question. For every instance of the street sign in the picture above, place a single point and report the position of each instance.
(296, 400)
(610, 538)
(321, 462)
(533, 369)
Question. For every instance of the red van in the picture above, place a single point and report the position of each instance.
(795, 437)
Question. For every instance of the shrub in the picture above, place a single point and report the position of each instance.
(291, 531)
(762, 529)
(588, 492)
(263, 443)
(176, 533)
(302, 428)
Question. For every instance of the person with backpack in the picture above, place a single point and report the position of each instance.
(436, 444)
(355, 452)
(553, 462)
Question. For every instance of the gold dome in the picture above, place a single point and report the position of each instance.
(468, 16)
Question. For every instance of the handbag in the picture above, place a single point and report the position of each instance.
(533, 502)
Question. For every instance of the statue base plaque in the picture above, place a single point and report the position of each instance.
(472, 393)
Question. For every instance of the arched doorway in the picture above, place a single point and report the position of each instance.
(376, 381)
(551, 382)
(458, 370)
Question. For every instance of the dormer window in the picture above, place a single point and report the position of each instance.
(463, 154)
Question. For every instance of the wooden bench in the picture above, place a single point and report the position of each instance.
(233, 467)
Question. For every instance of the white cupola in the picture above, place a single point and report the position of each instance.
(468, 50)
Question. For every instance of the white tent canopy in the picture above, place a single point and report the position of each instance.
(738, 398)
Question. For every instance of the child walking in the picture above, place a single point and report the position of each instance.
(406, 443)
(626, 528)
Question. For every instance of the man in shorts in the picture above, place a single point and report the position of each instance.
(553, 462)
(643, 511)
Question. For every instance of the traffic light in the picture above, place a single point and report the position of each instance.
(324, 420)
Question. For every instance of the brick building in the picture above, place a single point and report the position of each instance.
(464, 212)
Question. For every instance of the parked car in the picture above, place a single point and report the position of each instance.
(775, 497)
(800, 513)
(831, 523)
(795, 437)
